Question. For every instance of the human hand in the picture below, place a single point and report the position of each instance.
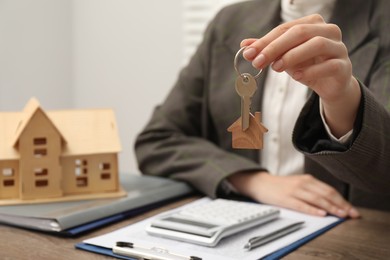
(312, 52)
(303, 193)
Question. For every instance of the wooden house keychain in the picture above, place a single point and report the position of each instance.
(247, 131)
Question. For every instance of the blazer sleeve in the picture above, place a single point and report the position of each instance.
(177, 143)
(365, 162)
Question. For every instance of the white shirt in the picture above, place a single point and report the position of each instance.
(299, 8)
(283, 100)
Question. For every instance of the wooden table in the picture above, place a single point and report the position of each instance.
(365, 238)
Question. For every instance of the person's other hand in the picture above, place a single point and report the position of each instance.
(311, 51)
(303, 193)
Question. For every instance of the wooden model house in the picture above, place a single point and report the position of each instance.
(58, 155)
(251, 138)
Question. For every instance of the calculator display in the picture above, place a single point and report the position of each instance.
(190, 222)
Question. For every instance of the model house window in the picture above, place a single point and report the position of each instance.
(78, 171)
(41, 183)
(105, 171)
(8, 183)
(40, 171)
(8, 172)
(40, 152)
(81, 167)
(80, 162)
(82, 181)
(105, 176)
(81, 171)
(104, 166)
(40, 141)
(40, 147)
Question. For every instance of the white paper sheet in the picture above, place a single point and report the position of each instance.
(228, 248)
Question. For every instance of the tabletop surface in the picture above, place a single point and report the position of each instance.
(364, 238)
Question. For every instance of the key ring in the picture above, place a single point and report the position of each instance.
(236, 67)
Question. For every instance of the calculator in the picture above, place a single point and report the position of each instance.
(208, 222)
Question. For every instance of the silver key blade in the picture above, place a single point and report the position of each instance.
(245, 111)
(246, 87)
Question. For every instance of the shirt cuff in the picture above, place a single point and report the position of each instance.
(345, 139)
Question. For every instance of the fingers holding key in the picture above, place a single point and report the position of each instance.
(281, 29)
(310, 51)
(321, 49)
(287, 37)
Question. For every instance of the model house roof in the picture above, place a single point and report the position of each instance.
(84, 132)
(25, 118)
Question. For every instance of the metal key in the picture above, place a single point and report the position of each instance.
(245, 86)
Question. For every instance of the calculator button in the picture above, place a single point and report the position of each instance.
(225, 212)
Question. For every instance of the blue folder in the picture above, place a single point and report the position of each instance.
(75, 231)
(77, 217)
(161, 191)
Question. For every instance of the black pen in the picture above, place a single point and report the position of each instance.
(261, 240)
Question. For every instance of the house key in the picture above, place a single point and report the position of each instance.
(245, 86)
(247, 131)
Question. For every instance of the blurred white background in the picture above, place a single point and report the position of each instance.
(119, 54)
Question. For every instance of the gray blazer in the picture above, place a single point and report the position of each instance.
(186, 138)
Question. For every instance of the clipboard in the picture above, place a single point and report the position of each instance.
(282, 249)
(276, 255)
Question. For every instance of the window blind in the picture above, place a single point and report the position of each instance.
(196, 15)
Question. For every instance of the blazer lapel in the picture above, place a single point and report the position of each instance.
(254, 26)
(353, 23)
(355, 26)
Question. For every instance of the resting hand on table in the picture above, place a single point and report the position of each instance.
(312, 52)
(303, 193)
